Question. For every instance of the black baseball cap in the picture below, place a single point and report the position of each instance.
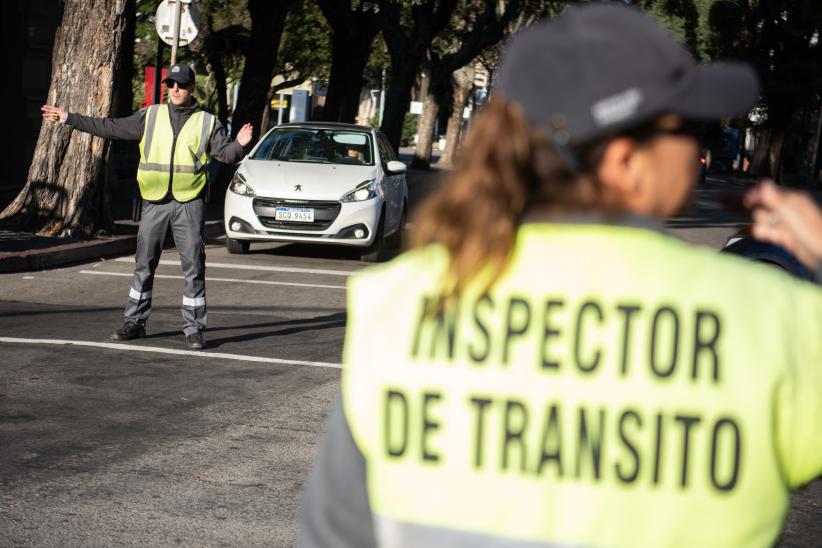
(182, 74)
(600, 68)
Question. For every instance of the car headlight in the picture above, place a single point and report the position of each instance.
(362, 192)
(239, 186)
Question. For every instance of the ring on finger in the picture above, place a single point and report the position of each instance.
(773, 218)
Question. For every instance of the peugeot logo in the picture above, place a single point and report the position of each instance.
(298, 188)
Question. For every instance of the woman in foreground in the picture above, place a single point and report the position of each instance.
(547, 367)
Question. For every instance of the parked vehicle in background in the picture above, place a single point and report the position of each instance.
(743, 244)
(319, 183)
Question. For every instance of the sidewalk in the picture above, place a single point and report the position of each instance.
(25, 252)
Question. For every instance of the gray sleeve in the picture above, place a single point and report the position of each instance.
(818, 272)
(129, 128)
(224, 148)
(336, 512)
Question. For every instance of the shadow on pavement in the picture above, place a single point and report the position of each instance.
(321, 322)
(299, 325)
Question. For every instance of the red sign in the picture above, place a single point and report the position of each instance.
(148, 90)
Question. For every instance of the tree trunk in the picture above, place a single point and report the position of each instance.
(758, 162)
(267, 20)
(210, 46)
(463, 83)
(425, 133)
(398, 98)
(66, 189)
(775, 155)
(351, 41)
(267, 110)
(218, 70)
(407, 48)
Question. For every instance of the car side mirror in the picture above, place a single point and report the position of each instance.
(395, 167)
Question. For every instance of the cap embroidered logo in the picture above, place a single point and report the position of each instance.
(617, 107)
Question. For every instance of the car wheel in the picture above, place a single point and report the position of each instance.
(379, 249)
(237, 247)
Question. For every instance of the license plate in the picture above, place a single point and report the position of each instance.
(298, 214)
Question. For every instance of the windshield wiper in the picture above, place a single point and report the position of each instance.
(310, 161)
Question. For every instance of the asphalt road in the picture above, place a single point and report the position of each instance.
(149, 444)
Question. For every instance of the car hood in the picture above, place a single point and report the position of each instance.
(297, 180)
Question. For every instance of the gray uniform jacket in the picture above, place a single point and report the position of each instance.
(130, 128)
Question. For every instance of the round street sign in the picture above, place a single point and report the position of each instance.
(189, 19)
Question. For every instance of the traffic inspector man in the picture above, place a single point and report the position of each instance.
(177, 143)
(547, 367)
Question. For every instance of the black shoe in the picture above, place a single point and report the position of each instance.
(195, 341)
(129, 331)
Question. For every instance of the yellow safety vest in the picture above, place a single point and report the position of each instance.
(616, 387)
(191, 156)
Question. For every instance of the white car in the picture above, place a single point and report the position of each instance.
(317, 182)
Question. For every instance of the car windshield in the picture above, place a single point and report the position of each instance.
(316, 146)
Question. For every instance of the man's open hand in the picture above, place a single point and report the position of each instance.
(54, 114)
(787, 218)
(245, 134)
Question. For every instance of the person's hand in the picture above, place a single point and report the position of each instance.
(787, 218)
(54, 114)
(245, 134)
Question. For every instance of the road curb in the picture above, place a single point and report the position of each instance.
(78, 252)
(60, 255)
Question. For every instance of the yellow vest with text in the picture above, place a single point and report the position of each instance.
(616, 387)
(191, 155)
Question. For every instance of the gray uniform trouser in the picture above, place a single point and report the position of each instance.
(186, 222)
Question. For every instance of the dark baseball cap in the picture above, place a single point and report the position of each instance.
(601, 68)
(182, 74)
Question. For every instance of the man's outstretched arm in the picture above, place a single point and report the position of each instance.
(129, 128)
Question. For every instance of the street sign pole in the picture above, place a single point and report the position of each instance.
(158, 70)
(178, 15)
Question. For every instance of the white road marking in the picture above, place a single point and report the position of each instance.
(159, 350)
(255, 267)
(28, 277)
(208, 279)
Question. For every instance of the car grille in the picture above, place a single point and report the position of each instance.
(325, 212)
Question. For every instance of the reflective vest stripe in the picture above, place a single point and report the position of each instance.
(151, 120)
(146, 166)
(138, 296)
(204, 134)
(393, 532)
(194, 301)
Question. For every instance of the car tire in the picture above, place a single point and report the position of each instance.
(379, 249)
(237, 247)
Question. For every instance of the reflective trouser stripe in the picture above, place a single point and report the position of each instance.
(397, 534)
(138, 296)
(195, 302)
